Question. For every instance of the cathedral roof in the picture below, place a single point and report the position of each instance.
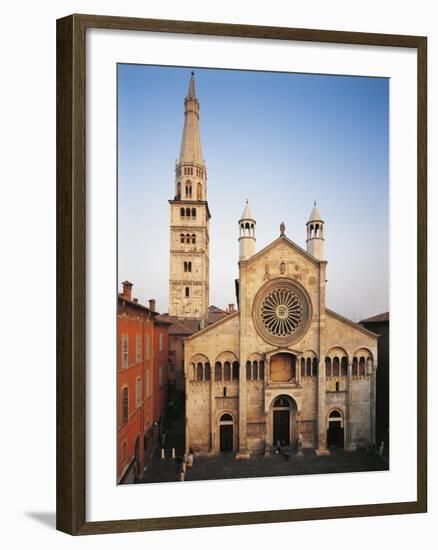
(346, 321)
(187, 327)
(227, 317)
(377, 318)
(191, 150)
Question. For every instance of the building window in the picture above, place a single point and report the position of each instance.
(147, 350)
(193, 239)
(160, 342)
(182, 212)
(138, 392)
(199, 372)
(261, 370)
(125, 405)
(187, 292)
(235, 370)
(148, 388)
(227, 370)
(188, 212)
(218, 371)
(328, 366)
(315, 367)
(125, 354)
(193, 212)
(344, 366)
(335, 366)
(355, 367)
(181, 238)
(337, 386)
(138, 348)
(185, 267)
(189, 267)
(207, 371)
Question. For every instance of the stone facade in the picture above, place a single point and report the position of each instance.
(289, 369)
(283, 368)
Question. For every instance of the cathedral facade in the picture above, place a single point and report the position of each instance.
(282, 369)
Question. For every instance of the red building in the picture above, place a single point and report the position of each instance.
(142, 383)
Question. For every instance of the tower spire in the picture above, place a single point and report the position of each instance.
(192, 91)
(191, 150)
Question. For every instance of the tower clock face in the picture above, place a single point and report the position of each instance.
(282, 312)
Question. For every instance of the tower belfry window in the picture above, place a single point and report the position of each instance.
(187, 292)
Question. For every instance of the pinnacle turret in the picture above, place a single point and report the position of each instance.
(315, 234)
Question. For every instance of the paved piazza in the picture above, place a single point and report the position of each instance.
(228, 467)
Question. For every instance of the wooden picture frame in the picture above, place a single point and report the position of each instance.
(71, 273)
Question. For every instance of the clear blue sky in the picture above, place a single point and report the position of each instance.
(281, 140)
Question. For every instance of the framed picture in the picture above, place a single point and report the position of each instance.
(241, 274)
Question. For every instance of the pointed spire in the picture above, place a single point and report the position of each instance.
(315, 216)
(191, 150)
(192, 90)
(247, 214)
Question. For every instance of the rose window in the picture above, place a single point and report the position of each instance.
(281, 311)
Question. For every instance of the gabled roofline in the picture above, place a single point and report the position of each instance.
(213, 325)
(288, 241)
(351, 323)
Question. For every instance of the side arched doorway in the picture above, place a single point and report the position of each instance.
(226, 433)
(335, 430)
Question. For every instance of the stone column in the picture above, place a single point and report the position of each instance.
(348, 406)
(372, 372)
(321, 420)
(242, 439)
(298, 369)
(212, 409)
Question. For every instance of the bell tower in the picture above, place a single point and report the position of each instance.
(189, 222)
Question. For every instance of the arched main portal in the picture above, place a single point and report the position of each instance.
(335, 429)
(283, 421)
(226, 433)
